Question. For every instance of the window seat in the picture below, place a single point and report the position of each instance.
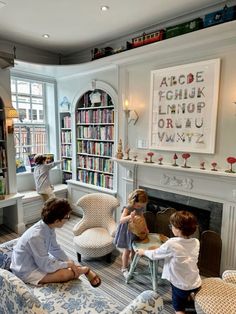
(32, 202)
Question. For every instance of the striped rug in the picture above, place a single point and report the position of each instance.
(113, 283)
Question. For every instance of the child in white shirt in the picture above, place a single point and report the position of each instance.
(41, 176)
(180, 256)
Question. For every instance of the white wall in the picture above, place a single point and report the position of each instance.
(132, 78)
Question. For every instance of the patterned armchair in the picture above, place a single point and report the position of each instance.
(75, 296)
(94, 233)
(217, 295)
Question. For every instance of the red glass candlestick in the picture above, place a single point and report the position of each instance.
(214, 164)
(231, 161)
(175, 157)
(186, 156)
(150, 154)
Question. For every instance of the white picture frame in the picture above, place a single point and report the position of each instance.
(184, 102)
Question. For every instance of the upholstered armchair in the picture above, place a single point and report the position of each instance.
(94, 233)
(217, 296)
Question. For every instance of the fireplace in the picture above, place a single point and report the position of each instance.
(212, 196)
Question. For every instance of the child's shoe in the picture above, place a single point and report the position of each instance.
(125, 272)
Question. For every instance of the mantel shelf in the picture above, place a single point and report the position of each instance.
(219, 173)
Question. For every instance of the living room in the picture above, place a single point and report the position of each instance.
(129, 78)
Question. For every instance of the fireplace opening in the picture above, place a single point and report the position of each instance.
(203, 216)
(208, 213)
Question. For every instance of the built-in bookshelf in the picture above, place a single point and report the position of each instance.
(66, 145)
(3, 151)
(95, 139)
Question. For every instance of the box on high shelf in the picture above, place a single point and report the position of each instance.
(184, 28)
(225, 15)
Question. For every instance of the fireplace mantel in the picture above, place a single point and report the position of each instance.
(216, 186)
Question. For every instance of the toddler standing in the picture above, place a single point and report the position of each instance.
(180, 256)
(137, 201)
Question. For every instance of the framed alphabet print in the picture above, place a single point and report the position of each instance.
(184, 107)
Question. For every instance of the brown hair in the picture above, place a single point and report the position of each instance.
(39, 159)
(137, 196)
(55, 208)
(185, 221)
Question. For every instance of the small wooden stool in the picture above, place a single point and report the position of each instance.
(152, 243)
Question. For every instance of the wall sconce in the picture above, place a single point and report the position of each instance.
(131, 115)
(11, 113)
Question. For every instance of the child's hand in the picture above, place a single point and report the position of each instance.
(132, 214)
(140, 252)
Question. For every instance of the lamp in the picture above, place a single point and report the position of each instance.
(11, 113)
(131, 115)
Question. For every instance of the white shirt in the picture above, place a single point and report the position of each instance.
(41, 177)
(180, 265)
(37, 248)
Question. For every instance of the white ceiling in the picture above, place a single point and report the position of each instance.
(75, 25)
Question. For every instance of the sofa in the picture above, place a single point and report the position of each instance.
(217, 295)
(75, 296)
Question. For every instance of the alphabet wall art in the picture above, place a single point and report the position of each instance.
(184, 107)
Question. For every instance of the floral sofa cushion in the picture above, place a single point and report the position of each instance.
(6, 253)
(16, 297)
(75, 296)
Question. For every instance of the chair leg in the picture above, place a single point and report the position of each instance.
(78, 257)
(108, 258)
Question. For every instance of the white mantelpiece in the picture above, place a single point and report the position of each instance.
(209, 185)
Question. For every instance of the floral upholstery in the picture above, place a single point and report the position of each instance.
(5, 254)
(217, 295)
(95, 231)
(75, 296)
(16, 297)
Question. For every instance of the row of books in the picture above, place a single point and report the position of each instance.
(67, 165)
(95, 148)
(66, 150)
(2, 133)
(66, 122)
(66, 136)
(3, 158)
(99, 164)
(66, 176)
(96, 132)
(94, 178)
(96, 116)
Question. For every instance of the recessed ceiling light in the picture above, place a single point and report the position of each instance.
(2, 4)
(45, 36)
(104, 8)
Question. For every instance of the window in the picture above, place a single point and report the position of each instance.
(30, 129)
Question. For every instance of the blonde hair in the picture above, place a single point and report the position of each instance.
(137, 196)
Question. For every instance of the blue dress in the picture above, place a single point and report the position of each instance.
(124, 238)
